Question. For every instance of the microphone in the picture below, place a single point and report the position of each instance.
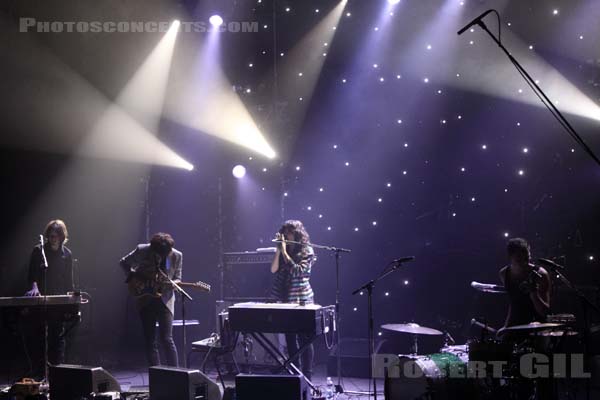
(550, 263)
(476, 21)
(486, 327)
(44, 260)
(403, 260)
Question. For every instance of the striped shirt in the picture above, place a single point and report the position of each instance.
(291, 283)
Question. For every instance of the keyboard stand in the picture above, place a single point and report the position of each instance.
(284, 362)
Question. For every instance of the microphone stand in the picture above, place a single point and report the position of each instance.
(45, 269)
(395, 265)
(184, 295)
(586, 304)
(534, 86)
(338, 318)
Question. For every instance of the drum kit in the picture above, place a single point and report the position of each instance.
(430, 376)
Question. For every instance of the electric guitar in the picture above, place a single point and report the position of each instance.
(142, 285)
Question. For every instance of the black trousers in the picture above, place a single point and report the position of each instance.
(151, 313)
(295, 342)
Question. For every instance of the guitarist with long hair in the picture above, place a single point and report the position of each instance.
(146, 267)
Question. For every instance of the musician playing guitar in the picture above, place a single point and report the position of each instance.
(155, 298)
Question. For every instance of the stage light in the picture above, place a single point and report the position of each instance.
(216, 20)
(393, 1)
(239, 171)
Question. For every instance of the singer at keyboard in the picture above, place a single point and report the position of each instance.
(51, 273)
(292, 266)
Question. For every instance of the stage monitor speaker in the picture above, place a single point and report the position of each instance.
(72, 382)
(271, 387)
(169, 383)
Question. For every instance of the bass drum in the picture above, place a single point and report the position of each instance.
(435, 376)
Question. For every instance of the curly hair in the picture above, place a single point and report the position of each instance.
(162, 243)
(59, 227)
(296, 228)
(519, 248)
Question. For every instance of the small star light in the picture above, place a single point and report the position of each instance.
(379, 200)
(281, 54)
(572, 150)
(555, 12)
(398, 76)
(471, 42)
(356, 229)
(321, 189)
(462, 169)
(320, 215)
(348, 14)
(426, 80)
(328, 228)
(287, 9)
(505, 234)
(335, 146)
(530, 47)
(381, 79)
(454, 214)
(374, 223)
(525, 150)
(428, 47)
(376, 28)
(406, 282)
(473, 199)
(521, 172)
(251, 65)
(591, 258)
(520, 90)
(387, 293)
(248, 90)
(518, 124)
(265, 26)
(404, 172)
(580, 37)
(389, 184)
(405, 144)
(285, 194)
(309, 208)
(297, 168)
(484, 147)
(317, 10)
(300, 74)
(355, 309)
(459, 117)
(379, 333)
(399, 121)
(344, 80)
(347, 164)
(375, 65)
(443, 122)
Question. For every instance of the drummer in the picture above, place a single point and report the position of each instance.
(527, 285)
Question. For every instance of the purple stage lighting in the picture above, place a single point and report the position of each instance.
(239, 171)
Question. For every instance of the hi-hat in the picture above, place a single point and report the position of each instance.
(412, 328)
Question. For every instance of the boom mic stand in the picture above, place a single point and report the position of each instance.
(393, 266)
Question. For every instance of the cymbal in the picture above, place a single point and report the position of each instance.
(557, 333)
(533, 326)
(412, 328)
(488, 287)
